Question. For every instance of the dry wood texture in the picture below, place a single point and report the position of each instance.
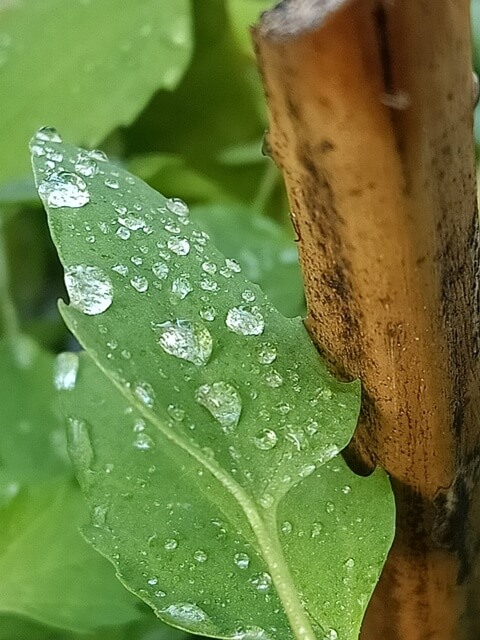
(370, 107)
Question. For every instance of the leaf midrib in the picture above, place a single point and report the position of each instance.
(265, 534)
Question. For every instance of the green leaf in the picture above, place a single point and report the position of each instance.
(57, 65)
(50, 574)
(213, 406)
(32, 440)
(264, 249)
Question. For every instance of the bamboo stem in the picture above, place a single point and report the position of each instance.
(370, 107)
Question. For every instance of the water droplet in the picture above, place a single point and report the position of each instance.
(65, 371)
(223, 401)
(266, 500)
(48, 134)
(179, 246)
(273, 379)
(99, 516)
(89, 288)
(306, 470)
(265, 440)
(349, 563)
(145, 393)
(143, 442)
(331, 635)
(123, 233)
(232, 265)
(98, 154)
(209, 314)
(242, 560)
(178, 207)
(152, 582)
(317, 528)
(267, 353)
(209, 267)
(81, 443)
(139, 283)
(176, 413)
(244, 322)
(64, 189)
(139, 425)
(286, 527)
(207, 284)
(248, 295)
(111, 183)
(171, 544)
(200, 556)
(121, 269)
(262, 581)
(185, 613)
(329, 507)
(85, 165)
(346, 489)
(131, 221)
(186, 340)
(182, 286)
(160, 270)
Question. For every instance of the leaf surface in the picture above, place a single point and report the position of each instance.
(86, 65)
(211, 409)
(49, 573)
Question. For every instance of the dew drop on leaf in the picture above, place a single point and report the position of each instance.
(171, 544)
(123, 233)
(222, 400)
(262, 581)
(181, 287)
(267, 353)
(143, 442)
(178, 207)
(64, 189)
(80, 442)
(48, 134)
(286, 527)
(145, 393)
(130, 221)
(160, 270)
(184, 613)
(242, 560)
(139, 283)
(245, 322)
(317, 528)
(186, 340)
(65, 371)
(89, 288)
(265, 440)
(179, 246)
(273, 379)
(200, 556)
(85, 165)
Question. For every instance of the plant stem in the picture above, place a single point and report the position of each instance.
(7, 309)
(267, 185)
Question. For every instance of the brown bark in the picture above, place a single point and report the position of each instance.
(370, 107)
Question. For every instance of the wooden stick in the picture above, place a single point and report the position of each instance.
(370, 106)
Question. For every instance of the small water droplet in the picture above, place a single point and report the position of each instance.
(171, 544)
(121, 269)
(143, 442)
(209, 267)
(176, 413)
(242, 560)
(98, 154)
(244, 322)
(265, 440)
(139, 283)
(111, 183)
(273, 379)
(331, 635)
(317, 528)
(179, 246)
(65, 371)
(306, 470)
(85, 165)
(89, 288)
(208, 313)
(152, 581)
(186, 340)
(261, 581)
(160, 270)
(223, 401)
(349, 563)
(99, 516)
(48, 134)
(346, 489)
(267, 353)
(81, 442)
(266, 500)
(286, 527)
(123, 233)
(329, 507)
(200, 556)
(232, 265)
(182, 286)
(64, 189)
(207, 284)
(178, 207)
(248, 295)
(130, 221)
(145, 393)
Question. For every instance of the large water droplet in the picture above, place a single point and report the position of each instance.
(89, 288)
(265, 440)
(185, 613)
(178, 207)
(244, 322)
(179, 246)
(48, 134)
(64, 189)
(85, 165)
(223, 401)
(185, 340)
(65, 371)
(262, 581)
(242, 560)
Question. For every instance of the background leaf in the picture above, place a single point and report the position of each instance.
(86, 65)
(216, 391)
